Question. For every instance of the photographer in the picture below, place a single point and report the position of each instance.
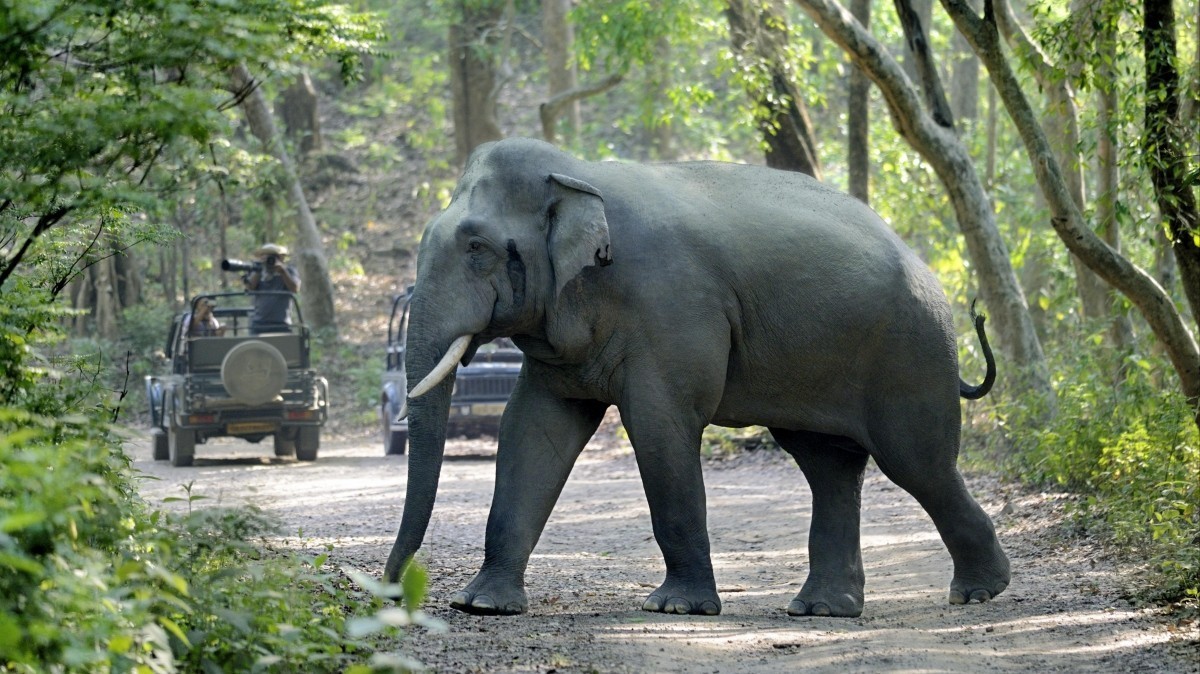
(272, 312)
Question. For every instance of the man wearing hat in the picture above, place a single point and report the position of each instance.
(272, 310)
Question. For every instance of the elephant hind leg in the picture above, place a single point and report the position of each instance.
(922, 460)
(834, 468)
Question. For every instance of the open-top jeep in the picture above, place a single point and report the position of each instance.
(237, 383)
(481, 388)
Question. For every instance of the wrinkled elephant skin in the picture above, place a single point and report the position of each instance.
(685, 295)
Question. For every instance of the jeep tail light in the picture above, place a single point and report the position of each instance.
(202, 419)
(301, 415)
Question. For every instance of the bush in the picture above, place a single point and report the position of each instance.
(1132, 450)
(92, 581)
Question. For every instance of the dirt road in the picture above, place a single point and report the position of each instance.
(597, 561)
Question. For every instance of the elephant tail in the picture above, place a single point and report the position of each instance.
(976, 392)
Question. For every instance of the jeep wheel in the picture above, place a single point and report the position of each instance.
(253, 372)
(158, 440)
(308, 441)
(395, 440)
(285, 443)
(181, 446)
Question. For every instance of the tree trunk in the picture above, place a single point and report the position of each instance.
(858, 131)
(758, 33)
(316, 298)
(662, 137)
(559, 37)
(1141, 289)
(945, 152)
(473, 76)
(1166, 150)
(298, 109)
(964, 80)
(1120, 332)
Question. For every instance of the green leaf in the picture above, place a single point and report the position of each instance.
(21, 520)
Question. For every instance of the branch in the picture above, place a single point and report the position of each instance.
(550, 110)
(918, 45)
(44, 223)
(1140, 287)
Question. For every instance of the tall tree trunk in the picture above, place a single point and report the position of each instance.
(316, 298)
(940, 146)
(858, 123)
(964, 80)
(1141, 289)
(662, 135)
(1120, 332)
(473, 74)
(298, 109)
(759, 32)
(559, 37)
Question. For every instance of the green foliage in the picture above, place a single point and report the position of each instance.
(97, 97)
(92, 581)
(1131, 448)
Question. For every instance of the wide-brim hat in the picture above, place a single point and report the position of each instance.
(270, 249)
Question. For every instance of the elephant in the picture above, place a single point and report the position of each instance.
(688, 294)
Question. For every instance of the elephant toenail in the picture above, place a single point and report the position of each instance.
(981, 596)
(820, 609)
(957, 597)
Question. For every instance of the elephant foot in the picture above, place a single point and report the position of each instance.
(826, 602)
(982, 584)
(483, 598)
(683, 599)
(963, 592)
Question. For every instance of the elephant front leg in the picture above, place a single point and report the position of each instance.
(668, 457)
(541, 436)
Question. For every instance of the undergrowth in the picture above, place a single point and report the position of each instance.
(1132, 452)
(92, 580)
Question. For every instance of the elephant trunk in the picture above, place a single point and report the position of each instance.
(427, 416)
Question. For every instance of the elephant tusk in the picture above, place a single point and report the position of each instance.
(403, 409)
(444, 367)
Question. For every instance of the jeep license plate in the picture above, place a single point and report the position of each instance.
(487, 409)
(248, 427)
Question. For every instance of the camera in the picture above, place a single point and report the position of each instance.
(240, 266)
(270, 261)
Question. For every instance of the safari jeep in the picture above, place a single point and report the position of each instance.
(481, 389)
(237, 385)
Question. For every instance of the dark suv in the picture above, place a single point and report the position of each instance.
(481, 389)
(237, 384)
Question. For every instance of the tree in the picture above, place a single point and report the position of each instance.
(474, 36)
(316, 299)
(858, 121)
(559, 37)
(1061, 121)
(1143, 291)
(103, 103)
(759, 34)
(933, 136)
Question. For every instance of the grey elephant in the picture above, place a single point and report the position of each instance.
(688, 294)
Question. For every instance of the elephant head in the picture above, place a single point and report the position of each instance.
(518, 229)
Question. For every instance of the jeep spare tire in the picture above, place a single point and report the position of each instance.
(253, 372)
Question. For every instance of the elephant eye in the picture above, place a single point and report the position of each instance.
(474, 246)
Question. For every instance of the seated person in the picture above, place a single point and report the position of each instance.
(202, 323)
(272, 312)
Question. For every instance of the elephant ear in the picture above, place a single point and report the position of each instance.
(578, 236)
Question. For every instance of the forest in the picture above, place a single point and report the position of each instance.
(1042, 157)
